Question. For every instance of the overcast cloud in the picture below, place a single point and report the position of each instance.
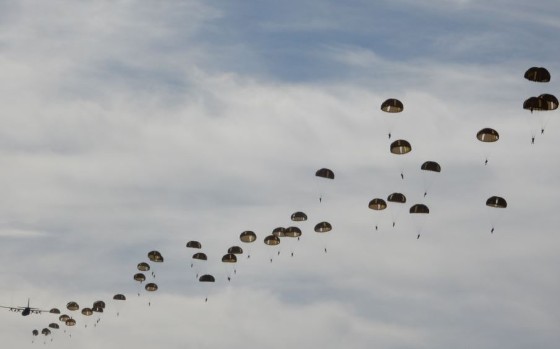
(129, 126)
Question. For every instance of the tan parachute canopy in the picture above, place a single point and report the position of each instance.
(299, 216)
(323, 227)
(537, 74)
(206, 278)
(194, 244)
(392, 105)
(155, 256)
(431, 166)
(247, 236)
(151, 287)
(143, 266)
(72, 306)
(99, 304)
(292, 232)
(377, 204)
(325, 173)
(200, 256)
(272, 240)
(235, 250)
(54, 311)
(63, 318)
(119, 297)
(229, 258)
(487, 135)
(279, 232)
(397, 197)
(46, 331)
(496, 201)
(54, 325)
(535, 104)
(419, 208)
(400, 147)
(87, 311)
(70, 322)
(139, 277)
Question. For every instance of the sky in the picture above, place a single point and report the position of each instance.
(130, 126)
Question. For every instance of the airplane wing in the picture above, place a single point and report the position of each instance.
(13, 308)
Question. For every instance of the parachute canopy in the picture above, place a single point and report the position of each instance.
(139, 277)
(279, 232)
(299, 216)
(119, 297)
(35, 332)
(46, 331)
(194, 244)
(392, 105)
(247, 236)
(487, 135)
(72, 306)
(99, 304)
(400, 147)
(143, 266)
(323, 227)
(537, 74)
(97, 309)
(550, 100)
(70, 322)
(87, 311)
(155, 256)
(200, 256)
(54, 311)
(431, 166)
(419, 208)
(325, 173)
(206, 278)
(377, 204)
(63, 318)
(496, 201)
(54, 325)
(151, 287)
(229, 258)
(397, 197)
(235, 250)
(272, 240)
(292, 232)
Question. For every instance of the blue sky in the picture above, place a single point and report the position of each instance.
(130, 126)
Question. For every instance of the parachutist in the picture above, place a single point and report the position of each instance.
(533, 140)
(418, 237)
(292, 254)
(402, 175)
(248, 256)
(425, 193)
(191, 265)
(235, 271)
(320, 198)
(278, 252)
(206, 299)
(270, 260)
(149, 304)
(138, 294)
(325, 250)
(389, 135)
(492, 230)
(228, 279)
(542, 131)
(393, 224)
(376, 227)
(485, 162)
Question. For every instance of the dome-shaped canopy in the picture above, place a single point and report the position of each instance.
(143, 266)
(431, 166)
(292, 232)
(54, 325)
(194, 244)
(200, 256)
(46, 331)
(397, 197)
(88, 311)
(323, 227)
(550, 100)
(325, 173)
(70, 322)
(155, 256)
(99, 304)
(139, 277)
(487, 135)
(63, 318)
(279, 232)
(247, 236)
(35, 332)
(72, 306)
(235, 250)
(119, 297)
(54, 311)
(97, 309)
(419, 208)
(537, 74)
(400, 147)
(377, 204)
(392, 105)
(298, 216)
(272, 240)
(496, 201)
(229, 258)
(151, 287)
(206, 278)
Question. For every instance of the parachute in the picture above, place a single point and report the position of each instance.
(87, 312)
(429, 167)
(46, 331)
(194, 244)
(119, 297)
(272, 240)
(200, 256)
(54, 311)
(400, 147)
(143, 266)
(392, 105)
(422, 210)
(72, 306)
(54, 325)
(399, 199)
(537, 74)
(487, 135)
(151, 287)
(35, 332)
(247, 236)
(229, 258)
(496, 201)
(292, 232)
(235, 250)
(63, 318)
(377, 204)
(298, 216)
(155, 256)
(140, 277)
(206, 278)
(323, 227)
(70, 322)
(279, 232)
(325, 173)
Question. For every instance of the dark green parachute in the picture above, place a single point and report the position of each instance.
(377, 204)
(194, 244)
(400, 147)
(537, 74)
(325, 173)
(392, 105)
(419, 208)
(323, 227)
(431, 166)
(247, 236)
(397, 197)
(206, 278)
(487, 135)
(496, 201)
(298, 216)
